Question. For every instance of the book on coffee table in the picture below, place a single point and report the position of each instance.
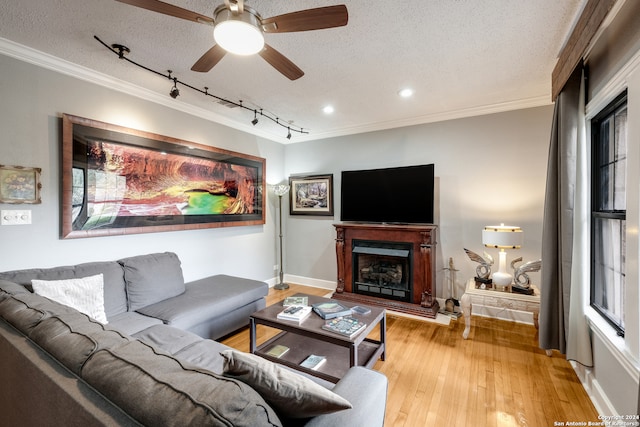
(295, 312)
(313, 362)
(331, 309)
(278, 350)
(348, 326)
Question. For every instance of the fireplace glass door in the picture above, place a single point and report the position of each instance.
(382, 269)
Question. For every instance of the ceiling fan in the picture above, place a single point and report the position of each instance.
(234, 15)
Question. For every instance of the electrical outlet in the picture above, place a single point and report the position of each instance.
(15, 217)
(276, 267)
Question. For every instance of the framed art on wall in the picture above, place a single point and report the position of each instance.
(118, 180)
(19, 185)
(311, 195)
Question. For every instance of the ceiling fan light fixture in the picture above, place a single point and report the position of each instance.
(239, 34)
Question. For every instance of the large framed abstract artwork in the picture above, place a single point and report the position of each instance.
(117, 180)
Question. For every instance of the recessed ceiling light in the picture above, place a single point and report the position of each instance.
(328, 109)
(406, 93)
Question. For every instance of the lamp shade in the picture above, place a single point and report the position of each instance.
(502, 237)
(281, 189)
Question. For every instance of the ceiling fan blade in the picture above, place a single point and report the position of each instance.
(309, 19)
(169, 9)
(281, 63)
(209, 59)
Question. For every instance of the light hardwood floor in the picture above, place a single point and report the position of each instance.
(498, 377)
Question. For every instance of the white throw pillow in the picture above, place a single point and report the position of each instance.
(85, 294)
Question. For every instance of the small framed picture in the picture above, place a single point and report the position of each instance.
(311, 195)
(19, 185)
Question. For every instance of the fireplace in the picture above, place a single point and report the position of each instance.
(387, 265)
(382, 269)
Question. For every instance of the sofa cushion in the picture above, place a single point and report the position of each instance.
(185, 346)
(131, 322)
(20, 314)
(85, 294)
(73, 337)
(157, 389)
(167, 338)
(207, 298)
(290, 394)
(115, 299)
(11, 288)
(152, 278)
(25, 310)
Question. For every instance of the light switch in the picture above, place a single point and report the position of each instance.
(15, 217)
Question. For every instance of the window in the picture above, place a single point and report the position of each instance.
(608, 211)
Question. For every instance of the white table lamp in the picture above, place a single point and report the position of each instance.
(502, 237)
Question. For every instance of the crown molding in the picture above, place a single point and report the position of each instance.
(538, 101)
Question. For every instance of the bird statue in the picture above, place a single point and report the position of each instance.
(483, 271)
(520, 276)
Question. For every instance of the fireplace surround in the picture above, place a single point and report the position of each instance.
(388, 265)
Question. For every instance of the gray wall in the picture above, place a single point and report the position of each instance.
(33, 100)
(489, 169)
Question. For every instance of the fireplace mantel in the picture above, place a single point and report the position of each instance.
(423, 240)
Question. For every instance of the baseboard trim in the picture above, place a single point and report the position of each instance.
(590, 384)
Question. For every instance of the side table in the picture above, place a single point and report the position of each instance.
(497, 299)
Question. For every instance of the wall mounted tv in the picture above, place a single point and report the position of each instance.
(400, 195)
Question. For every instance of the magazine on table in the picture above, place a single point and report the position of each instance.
(330, 309)
(295, 312)
(313, 362)
(348, 326)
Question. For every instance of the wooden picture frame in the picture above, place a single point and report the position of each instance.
(19, 184)
(117, 180)
(311, 195)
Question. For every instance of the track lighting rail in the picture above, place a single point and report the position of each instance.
(122, 51)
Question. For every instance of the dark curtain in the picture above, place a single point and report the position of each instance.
(557, 232)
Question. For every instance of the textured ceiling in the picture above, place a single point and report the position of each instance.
(461, 57)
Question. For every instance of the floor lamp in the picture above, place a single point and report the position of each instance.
(280, 190)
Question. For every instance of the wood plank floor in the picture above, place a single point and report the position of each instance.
(498, 377)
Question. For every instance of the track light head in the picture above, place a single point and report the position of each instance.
(255, 118)
(288, 133)
(174, 93)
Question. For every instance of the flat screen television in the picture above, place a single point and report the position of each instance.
(400, 195)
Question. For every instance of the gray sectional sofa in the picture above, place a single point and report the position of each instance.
(155, 361)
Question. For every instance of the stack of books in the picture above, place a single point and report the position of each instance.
(297, 313)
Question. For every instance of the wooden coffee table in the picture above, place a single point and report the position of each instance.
(308, 337)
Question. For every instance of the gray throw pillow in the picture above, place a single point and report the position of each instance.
(289, 393)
